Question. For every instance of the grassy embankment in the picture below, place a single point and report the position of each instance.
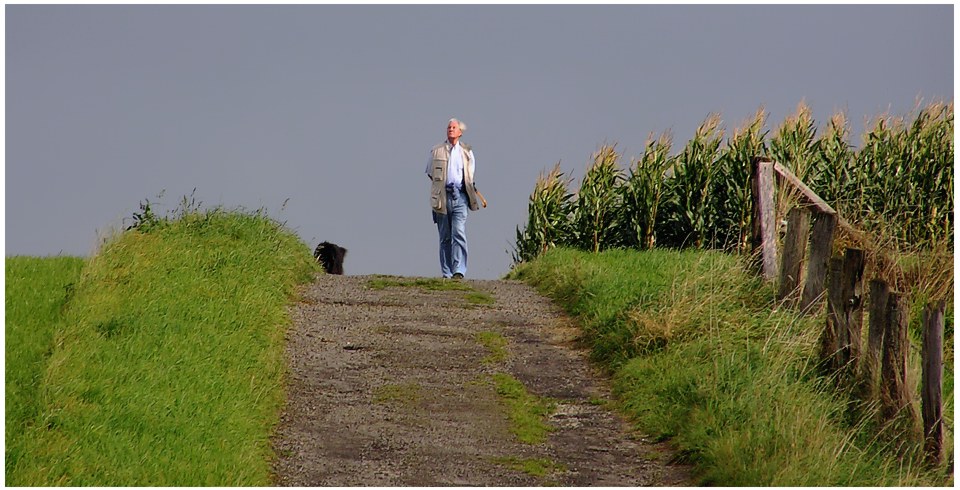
(700, 356)
(164, 365)
(36, 292)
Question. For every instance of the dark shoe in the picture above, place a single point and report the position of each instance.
(458, 276)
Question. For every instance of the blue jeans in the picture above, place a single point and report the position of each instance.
(453, 233)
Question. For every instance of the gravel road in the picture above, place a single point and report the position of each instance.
(392, 386)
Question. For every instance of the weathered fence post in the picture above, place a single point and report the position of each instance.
(821, 246)
(932, 389)
(894, 392)
(851, 293)
(794, 249)
(840, 345)
(764, 218)
(830, 342)
(879, 293)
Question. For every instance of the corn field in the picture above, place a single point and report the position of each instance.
(897, 183)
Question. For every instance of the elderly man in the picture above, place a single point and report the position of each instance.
(452, 194)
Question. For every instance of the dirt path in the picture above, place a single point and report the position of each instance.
(393, 387)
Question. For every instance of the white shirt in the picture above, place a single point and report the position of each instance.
(454, 165)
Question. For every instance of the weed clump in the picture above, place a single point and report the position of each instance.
(528, 413)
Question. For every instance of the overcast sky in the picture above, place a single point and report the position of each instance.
(324, 115)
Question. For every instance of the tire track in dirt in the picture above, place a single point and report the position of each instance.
(388, 387)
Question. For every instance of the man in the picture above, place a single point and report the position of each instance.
(452, 194)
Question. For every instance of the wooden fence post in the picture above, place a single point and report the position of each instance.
(830, 342)
(794, 249)
(932, 389)
(764, 218)
(840, 344)
(821, 247)
(879, 293)
(894, 392)
(852, 297)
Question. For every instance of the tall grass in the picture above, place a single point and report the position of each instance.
(700, 357)
(37, 290)
(168, 368)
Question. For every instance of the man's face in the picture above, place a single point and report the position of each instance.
(453, 130)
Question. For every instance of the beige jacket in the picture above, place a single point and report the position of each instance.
(438, 188)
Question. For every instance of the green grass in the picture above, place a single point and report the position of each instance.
(36, 291)
(528, 413)
(427, 283)
(168, 367)
(405, 394)
(472, 296)
(699, 357)
(496, 344)
(605, 292)
(479, 298)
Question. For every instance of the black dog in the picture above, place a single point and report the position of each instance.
(331, 256)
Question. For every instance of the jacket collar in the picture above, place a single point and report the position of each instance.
(460, 142)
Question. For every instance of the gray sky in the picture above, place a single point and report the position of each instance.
(333, 109)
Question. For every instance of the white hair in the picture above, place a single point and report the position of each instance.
(463, 125)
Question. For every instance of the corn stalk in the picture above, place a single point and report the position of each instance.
(595, 217)
(642, 192)
(905, 177)
(691, 215)
(834, 175)
(548, 214)
(928, 194)
(898, 186)
(731, 195)
(794, 145)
